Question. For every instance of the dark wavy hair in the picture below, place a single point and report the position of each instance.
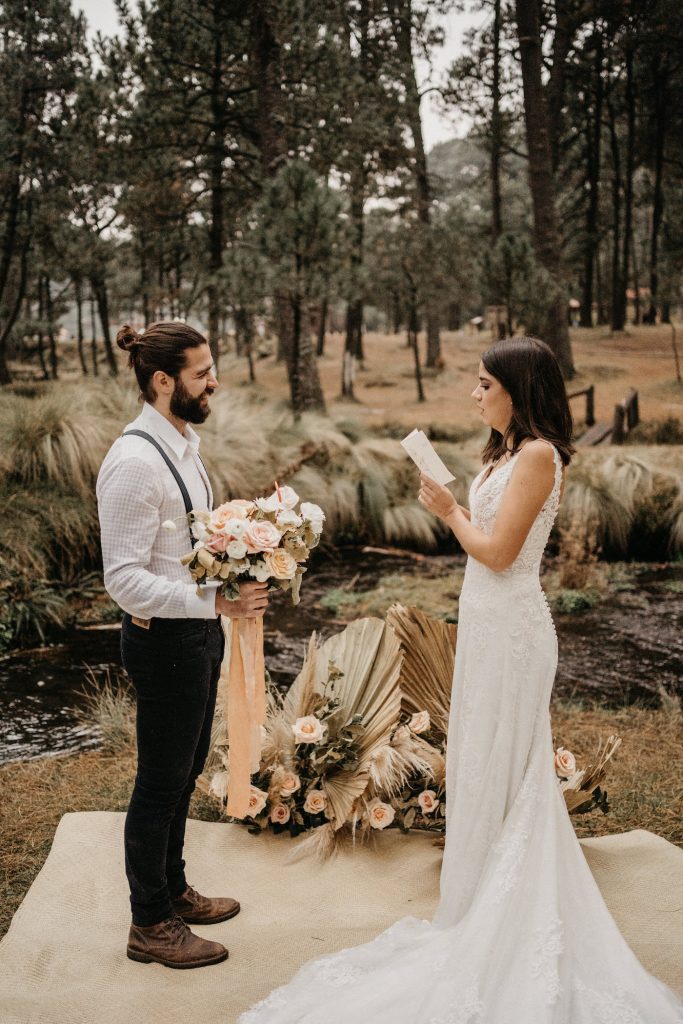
(160, 347)
(529, 371)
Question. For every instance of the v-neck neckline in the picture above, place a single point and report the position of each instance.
(495, 472)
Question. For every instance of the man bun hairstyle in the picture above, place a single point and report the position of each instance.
(161, 346)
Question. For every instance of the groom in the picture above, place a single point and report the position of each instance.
(171, 640)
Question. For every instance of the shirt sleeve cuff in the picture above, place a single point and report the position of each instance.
(201, 605)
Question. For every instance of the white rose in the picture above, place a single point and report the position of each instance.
(308, 729)
(428, 801)
(315, 802)
(288, 520)
(287, 498)
(257, 801)
(314, 515)
(236, 549)
(280, 814)
(235, 528)
(420, 722)
(380, 815)
(260, 571)
(565, 763)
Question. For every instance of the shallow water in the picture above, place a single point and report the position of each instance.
(618, 653)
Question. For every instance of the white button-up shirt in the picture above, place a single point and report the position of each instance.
(136, 493)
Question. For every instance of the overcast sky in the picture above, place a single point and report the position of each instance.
(101, 16)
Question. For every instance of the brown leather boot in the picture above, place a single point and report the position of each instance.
(197, 909)
(172, 944)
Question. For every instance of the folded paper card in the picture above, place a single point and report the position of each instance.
(425, 458)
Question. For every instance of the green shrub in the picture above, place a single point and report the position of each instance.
(570, 602)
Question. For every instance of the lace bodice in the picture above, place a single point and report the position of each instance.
(485, 498)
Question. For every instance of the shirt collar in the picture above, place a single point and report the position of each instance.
(166, 432)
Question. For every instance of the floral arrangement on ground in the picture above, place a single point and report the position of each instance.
(358, 743)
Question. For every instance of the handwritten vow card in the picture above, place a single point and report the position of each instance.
(425, 458)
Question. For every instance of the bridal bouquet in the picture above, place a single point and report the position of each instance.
(266, 540)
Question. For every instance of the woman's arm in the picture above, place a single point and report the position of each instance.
(530, 485)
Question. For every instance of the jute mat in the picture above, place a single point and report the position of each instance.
(63, 960)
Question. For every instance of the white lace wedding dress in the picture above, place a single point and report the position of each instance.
(522, 934)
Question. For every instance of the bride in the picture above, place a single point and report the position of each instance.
(521, 934)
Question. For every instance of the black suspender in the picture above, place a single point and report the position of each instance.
(176, 475)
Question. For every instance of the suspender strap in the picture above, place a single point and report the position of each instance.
(176, 475)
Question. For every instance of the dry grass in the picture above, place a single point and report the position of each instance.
(644, 777)
(643, 784)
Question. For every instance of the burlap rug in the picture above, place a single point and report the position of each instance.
(63, 960)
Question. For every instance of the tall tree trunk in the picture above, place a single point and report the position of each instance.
(593, 147)
(402, 20)
(630, 171)
(99, 287)
(660, 79)
(496, 132)
(5, 374)
(49, 311)
(217, 188)
(541, 180)
(78, 289)
(322, 325)
(354, 309)
(618, 304)
(93, 333)
(302, 369)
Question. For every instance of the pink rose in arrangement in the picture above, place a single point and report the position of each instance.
(280, 814)
(257, 801)
(218, 543)
(289, 783)
(281, 564)
(428, 801)
(261, 536)
(380, 815)
(316, 801)
(565, 763)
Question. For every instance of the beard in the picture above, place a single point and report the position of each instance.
(187, 408)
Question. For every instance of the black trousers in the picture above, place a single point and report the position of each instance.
(174, 667)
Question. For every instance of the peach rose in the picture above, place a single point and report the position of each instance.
(257, 801)
(428, 801)
(380, 815)
(281, 564)
(565, 763)
(280, 814)
(308, 729)
(316, 801)
(420, 722)
(289, 783)
(261, 536)
(237, 509)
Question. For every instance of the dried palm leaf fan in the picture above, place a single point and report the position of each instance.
(428, 649)
(368, 656)
(578, 789)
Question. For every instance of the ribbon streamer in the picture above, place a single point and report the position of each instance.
(243, 670)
